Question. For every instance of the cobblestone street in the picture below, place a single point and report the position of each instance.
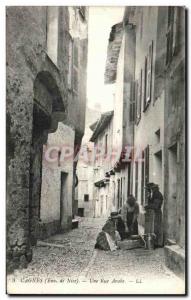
(72, 256)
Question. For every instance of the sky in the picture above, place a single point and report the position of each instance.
(101, 19)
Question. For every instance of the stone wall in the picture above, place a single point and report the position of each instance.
(175, 103)
(37, 99)
(26, 58)
(52, 198)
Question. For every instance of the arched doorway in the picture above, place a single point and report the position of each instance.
(48, 104)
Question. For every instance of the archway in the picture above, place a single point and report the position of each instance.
(48, 106)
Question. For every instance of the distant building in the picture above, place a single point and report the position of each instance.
(84, 192)
(46, 98)
(103, 144)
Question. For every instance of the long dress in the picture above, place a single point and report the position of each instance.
(127, 215)
(156, 203)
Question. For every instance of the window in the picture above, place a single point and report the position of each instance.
(118, 193)
(129, 180)
(145, 86)
(132, 102)
(52, 33)
(148, 77)
(142, 178)
(146, 156)
(172, 32)
(139, 98)
(121, 193)
(75, 66)
(70, 63)
(86, 197)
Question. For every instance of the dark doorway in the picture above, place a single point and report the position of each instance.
(129, 180)
(81, 212)
(63, 195)
(158, 168)
(41, 122)
(118, 193)
(172, 192)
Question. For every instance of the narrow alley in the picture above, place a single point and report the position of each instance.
(95, 166)
(71, 258)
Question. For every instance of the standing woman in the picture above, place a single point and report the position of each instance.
(156, 204)
(129, 215)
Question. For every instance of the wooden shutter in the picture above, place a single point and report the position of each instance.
(136, 99)
(70, 62)
(149, 74)
(142, 178)
(175, 30)
(171, 35)
(75, 66)
(147, 164)
(139, 97)
(132, 102)
(121, 192)
(145, 85)
(146, 155)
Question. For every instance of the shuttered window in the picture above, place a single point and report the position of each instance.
(75, 66)
(172, 33)
(139, 98)
(70, 67)
(146, 156)
(145, 85)
(132, 102)
(148, 77)
(52, 33)
(142, 178)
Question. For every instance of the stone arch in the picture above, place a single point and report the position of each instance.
(48, 110)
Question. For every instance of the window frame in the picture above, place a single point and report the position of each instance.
(171, 34)
(132, 102)
(75, 71)
(139, 98)
(70, 64)
(148, 78)
(86, 196)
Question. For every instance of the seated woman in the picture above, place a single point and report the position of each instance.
(129, 215)
(108, 237)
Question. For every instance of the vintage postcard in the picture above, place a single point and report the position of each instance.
(96, 147)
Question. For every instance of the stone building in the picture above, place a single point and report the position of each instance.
(120, 72)
(46, 98)
(84, 192)
(149, 56)
(102, 138)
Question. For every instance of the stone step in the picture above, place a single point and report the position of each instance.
(130, 244)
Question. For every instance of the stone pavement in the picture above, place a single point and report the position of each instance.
(72, 256)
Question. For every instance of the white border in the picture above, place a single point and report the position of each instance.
(186, 3)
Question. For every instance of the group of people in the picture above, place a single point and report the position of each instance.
(124, 223)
